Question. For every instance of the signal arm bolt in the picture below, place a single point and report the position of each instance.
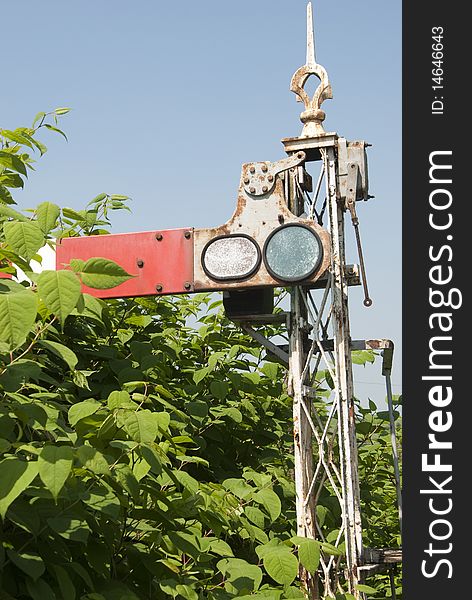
(264, 168)
(270, 178)
(159, 237)
(140, 263)
(252, 169)
(252, 190)
(264, 188)
(187, 235)
(187, 285)
(158, 287)
(246, 180)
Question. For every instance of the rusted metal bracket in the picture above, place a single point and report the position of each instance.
(386, 556)
(259, 178)
(375, 344)
(352, 182)
(352, 275)
(353, 153)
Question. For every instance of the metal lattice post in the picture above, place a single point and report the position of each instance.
(303, 451)
(331, 424)
(343, 382)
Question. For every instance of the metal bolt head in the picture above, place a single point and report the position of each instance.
(252, 169)
(270, 178)
(159, 236)
(264, 168)
(252, 190)
(158, 287)
(140, 263)
(300, 155)
(246, 180)
(264, 188)
(187, 235)
(187, 285)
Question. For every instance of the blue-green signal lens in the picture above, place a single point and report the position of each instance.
(292, 252)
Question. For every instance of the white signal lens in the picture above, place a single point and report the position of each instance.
(231, 257)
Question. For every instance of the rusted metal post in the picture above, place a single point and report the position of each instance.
(343, 382)
(317, 144)
(303, 451)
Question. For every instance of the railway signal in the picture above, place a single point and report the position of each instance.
(262, 245)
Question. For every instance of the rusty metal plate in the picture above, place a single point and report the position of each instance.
(257, 216)
(162, 261)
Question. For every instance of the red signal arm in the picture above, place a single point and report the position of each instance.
(161, 261)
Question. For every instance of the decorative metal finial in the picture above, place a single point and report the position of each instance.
(312, 117)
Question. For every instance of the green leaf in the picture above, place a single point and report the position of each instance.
(81, 410)
(270, 501)
(39, 590)
(97, 199)
(102, 500)
(330, 549)
(361, 357)
(141, 426)
(271, 370)
(281, 565)
(40, 146)
(14, 258)
(120, 399)
(38, 117)
(13, 162)
(25, 238)
(70, 528)
(366, 588)
(238, 487)
(66, 586)
(47, 214)
(54, 465)
(60, 292)
(200, 374)
(233, 413)
(219, 389)
(309, 554)
(5, 445)
(57, 130)
(93, 459)
(17, 316)
(241, 574)
(5, 196)
(70, 213)
(62, 110)
(221, 548)
(163, 421)
(187, 481)
(11, 213)
(18, 137)
(67, 355)
(82, 573)
(30, 563)
(103, 274)
(16, 475)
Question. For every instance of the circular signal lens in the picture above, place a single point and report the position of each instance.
(292, 252)
(231, 257)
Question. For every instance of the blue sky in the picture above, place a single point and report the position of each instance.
(169, 99)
